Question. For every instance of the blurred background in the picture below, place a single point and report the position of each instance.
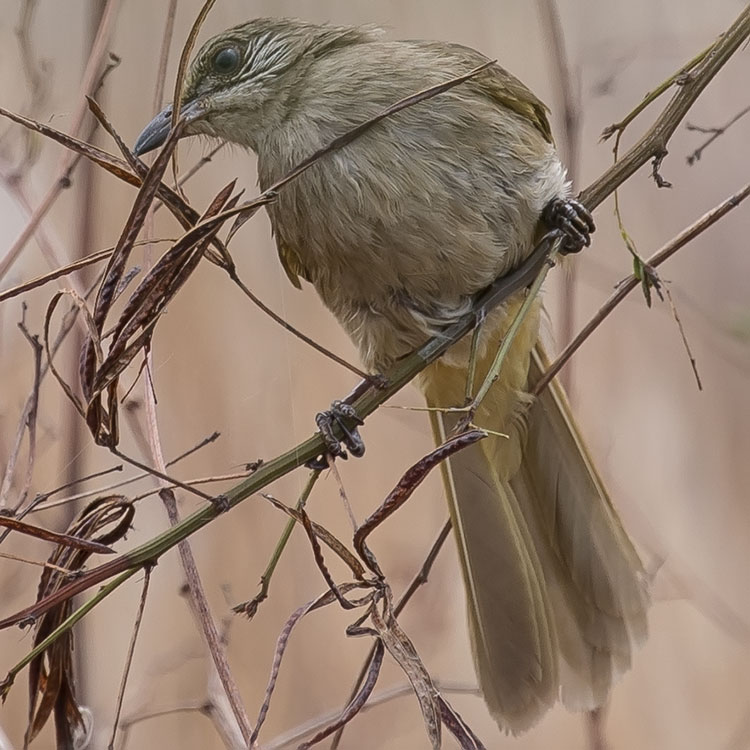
(676, 459)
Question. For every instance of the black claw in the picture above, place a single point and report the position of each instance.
(221, 503)
(339, 415)
(573, 219)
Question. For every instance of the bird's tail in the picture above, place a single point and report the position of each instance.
(557, 596)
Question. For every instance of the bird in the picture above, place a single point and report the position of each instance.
(398, 231)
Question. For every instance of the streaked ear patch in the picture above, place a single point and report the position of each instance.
(265, 52)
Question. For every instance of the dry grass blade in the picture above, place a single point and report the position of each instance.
(358, 700)
(27, 286)
(150, 298)
(281, 644)
(453, 722)
(63, 540)
(322, 533)
(107, 161)
(183, 66)
(320, 562)
(80, 305)
(51, 685)
(419, 580)
(183, 212)
(402, 650)
(409, 482)
(137, 166)
(132, 228)
(185, 56)
(101, 419)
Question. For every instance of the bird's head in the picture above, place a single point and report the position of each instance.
(244, 80)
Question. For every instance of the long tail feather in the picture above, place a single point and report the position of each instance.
(557, 596)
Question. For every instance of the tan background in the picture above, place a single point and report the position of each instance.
(676, 459)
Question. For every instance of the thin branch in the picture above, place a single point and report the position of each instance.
(715, 133)
(632, 282)
(77, 265)
(683, 336)
(131, 652)
(62, 540)
(251, 607)
(294, 331)
(653, 144)
(39, 504)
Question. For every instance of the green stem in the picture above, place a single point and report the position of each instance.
(64, 627)
(265, 580)
(509, 338)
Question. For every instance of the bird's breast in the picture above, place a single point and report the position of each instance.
(399, 228)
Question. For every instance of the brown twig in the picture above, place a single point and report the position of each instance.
(683, 336)
(210, 632)
(40, 502)
(325, 599)
(409, 482)
(358, 702)
(714, 134)
(63, 540)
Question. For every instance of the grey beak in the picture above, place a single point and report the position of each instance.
(156, 132)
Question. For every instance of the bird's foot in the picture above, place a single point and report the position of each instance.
(342, 415)
(573, 219)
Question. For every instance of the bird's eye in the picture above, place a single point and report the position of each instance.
(226, 60)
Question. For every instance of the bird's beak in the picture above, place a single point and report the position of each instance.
(156, 132)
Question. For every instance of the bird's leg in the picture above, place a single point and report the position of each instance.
(573, 219)
(342, 415)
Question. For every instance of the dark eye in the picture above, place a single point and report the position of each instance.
(226, 60)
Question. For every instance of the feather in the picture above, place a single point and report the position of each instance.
(556, 594)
